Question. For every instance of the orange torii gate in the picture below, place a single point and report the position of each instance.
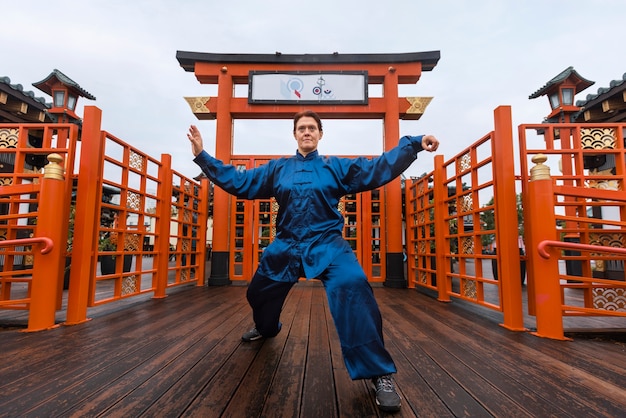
(228, 70)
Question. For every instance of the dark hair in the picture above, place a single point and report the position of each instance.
(309, 113)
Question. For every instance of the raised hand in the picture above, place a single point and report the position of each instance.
(195, 138)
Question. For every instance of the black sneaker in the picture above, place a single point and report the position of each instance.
(251, 335)
(387, 398)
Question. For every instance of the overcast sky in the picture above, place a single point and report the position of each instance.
(493, 52)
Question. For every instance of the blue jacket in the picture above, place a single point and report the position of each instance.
(307, 189)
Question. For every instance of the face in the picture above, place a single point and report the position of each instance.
(307, 134)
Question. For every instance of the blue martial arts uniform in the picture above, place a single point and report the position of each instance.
(309, 241)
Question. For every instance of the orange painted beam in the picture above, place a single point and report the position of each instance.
(393, 191)
(221, 199)
(547, 290)
(409, 108)
(440, 193)
(241, 109)
(85, 239)
(48, 267)
(162, 241)
(203, 219)
(395, 276)
(24, 188)
(506, 220)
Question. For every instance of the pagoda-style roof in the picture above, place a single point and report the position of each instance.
(569, 73)
(608, 104)
(19, 105)
(46, 84)
(428, 59)
(18, 89)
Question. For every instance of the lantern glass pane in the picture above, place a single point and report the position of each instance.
(568, 96)
(554, 100)
(59, 98)
(71, 102)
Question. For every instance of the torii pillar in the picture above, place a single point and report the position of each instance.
(228, 70)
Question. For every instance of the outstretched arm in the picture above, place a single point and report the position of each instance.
(362, 174)
(248, 184)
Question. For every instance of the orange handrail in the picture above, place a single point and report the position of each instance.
(543, 252)
(48, 245)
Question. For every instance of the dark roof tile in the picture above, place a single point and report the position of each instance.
(614, 84)
(43, 86)
(428, 59)
(568, 72)
(18, 88)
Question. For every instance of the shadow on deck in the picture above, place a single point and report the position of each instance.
(183, 356)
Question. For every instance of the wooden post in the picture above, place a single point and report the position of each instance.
(203, 219)
(542, 224)
(162, 241)
(505, 200)
(87, 220)
(220, 258)
(394, 276)
(48, 268)
(440, 193)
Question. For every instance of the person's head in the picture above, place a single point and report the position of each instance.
(307, 130)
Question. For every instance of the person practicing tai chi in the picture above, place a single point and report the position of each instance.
(309, 241)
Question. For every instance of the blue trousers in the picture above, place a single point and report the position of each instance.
(352, 306)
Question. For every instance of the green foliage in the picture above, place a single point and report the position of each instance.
(70, 231)
(106, 244)
(488, 220)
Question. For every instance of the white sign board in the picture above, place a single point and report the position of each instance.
(307, 87)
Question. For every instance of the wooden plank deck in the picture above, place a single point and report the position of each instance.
(183, 356)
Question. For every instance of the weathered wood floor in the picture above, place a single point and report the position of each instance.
(183, 356)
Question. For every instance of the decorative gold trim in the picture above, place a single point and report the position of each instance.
(464, 163)
(198, 106)
(129, 285)
(135, 160)
(609, 299)
(597, 138)
(418, 105)
(469, 289)
(602, 184)
(539, 171)
(9, 137)
(54, 169)
(467, 245)
(133, 200)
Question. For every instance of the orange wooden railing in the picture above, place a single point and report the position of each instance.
(443, 256)
(561, 211)
(25, 215)
(445, 228)
(155, 216)
(153, 223)
(43, 296)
